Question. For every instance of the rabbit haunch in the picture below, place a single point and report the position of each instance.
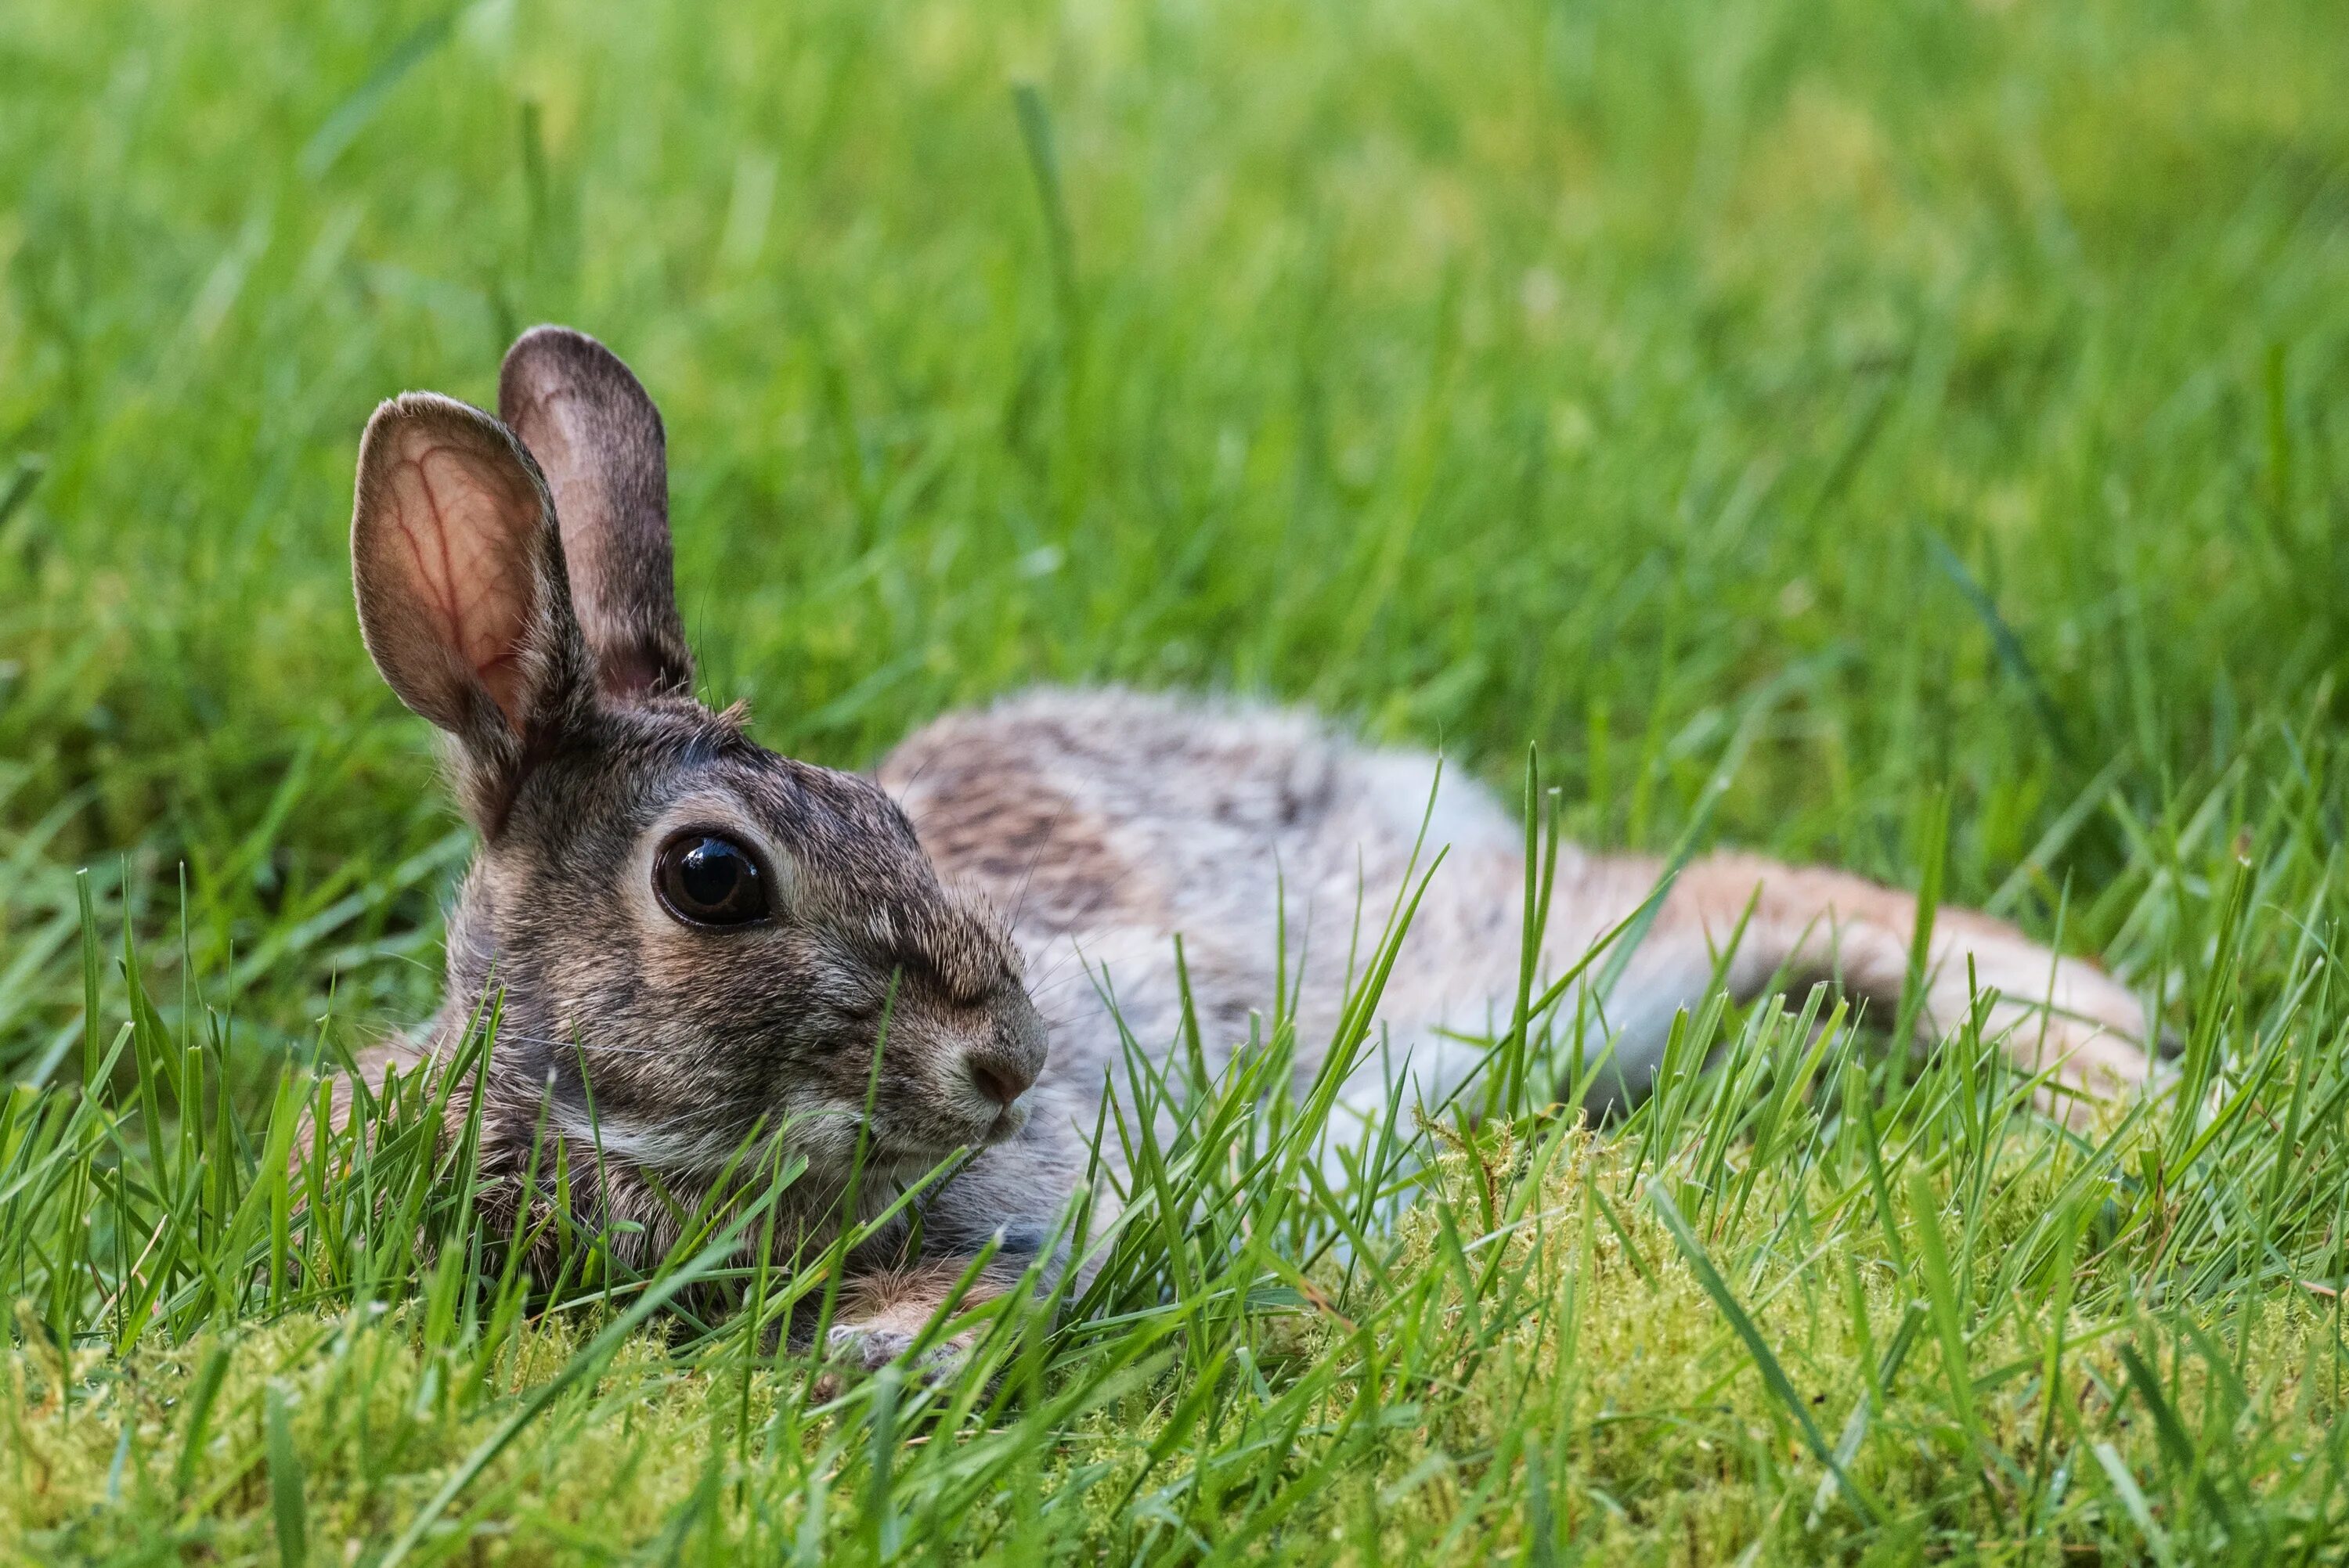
(513, 584)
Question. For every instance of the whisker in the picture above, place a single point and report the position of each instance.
(1019, 903)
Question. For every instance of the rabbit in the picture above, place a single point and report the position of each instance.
(692, 940)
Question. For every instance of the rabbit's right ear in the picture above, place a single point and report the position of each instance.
(458, 563)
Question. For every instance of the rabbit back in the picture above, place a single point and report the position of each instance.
(1106, 823)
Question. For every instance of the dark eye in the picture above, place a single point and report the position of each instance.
(704, 879)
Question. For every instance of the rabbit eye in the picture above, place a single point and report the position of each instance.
(704, 879)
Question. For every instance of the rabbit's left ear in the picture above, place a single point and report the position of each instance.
(598, 438)
(462, 599)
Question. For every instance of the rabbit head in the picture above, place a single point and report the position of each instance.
(688, 938)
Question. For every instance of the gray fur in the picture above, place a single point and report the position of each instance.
(1078, 833)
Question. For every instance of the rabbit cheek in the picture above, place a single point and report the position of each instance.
(913, 1112)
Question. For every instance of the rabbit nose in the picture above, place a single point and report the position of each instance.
(1004, 1066)
(1001, 1079)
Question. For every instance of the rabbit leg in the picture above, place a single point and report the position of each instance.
(1801, 925)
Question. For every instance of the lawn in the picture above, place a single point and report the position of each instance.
(1903, 435)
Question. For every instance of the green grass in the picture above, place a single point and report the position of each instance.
(1947, 399)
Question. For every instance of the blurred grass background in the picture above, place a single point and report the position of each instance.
(1967, 378)
(1485, 373)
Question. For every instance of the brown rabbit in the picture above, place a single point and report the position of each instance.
(694, 938)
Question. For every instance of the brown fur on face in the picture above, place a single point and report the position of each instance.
(669, 1044)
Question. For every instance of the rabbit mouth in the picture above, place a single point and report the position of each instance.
(1006, 1124)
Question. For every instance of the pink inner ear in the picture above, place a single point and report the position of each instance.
(465, 535)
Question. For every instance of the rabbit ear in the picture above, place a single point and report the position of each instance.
(458, 563)
(598, 439)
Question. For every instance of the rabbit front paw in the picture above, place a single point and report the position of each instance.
(888, 1313)
(855, 1350)
(870, 1346)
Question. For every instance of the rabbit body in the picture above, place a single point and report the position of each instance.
(692, 944)
(1108, 822)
